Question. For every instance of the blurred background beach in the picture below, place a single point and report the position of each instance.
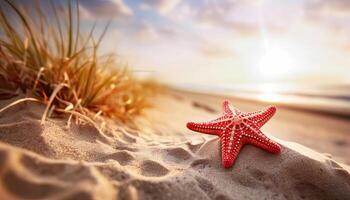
(288, 52)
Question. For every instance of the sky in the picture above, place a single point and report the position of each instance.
(229, 42)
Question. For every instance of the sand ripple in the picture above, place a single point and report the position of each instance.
(153, 168)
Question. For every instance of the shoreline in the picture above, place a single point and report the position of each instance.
(319, 106)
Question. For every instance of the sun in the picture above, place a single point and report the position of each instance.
(276, 62)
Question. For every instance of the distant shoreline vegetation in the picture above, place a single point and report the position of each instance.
(49, 58)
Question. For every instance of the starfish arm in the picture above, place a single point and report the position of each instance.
(260, 118)
(228, 158)
(231, 145)
(228, 110)
(211, 128)
(250, 114)
(255, 137)
(226, 107)
(225, 117)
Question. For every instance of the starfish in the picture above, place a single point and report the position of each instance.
(236, 129)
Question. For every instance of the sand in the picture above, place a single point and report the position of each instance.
(164, 160)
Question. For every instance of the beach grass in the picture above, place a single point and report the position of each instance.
(46, 55)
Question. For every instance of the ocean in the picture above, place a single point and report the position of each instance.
(334, 100)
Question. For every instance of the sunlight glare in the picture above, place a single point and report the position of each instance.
(276, 63)
(269, 93)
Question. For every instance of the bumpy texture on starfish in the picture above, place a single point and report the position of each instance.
(236, 129)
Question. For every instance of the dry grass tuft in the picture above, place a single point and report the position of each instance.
(48, 56)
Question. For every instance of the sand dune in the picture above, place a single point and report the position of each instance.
(163, 160)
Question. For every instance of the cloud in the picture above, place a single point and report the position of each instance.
(215, 11)
(146, 31)
(251, 18)
(334, 8)
(183, 12)
(105, 9)
(216, 51)
(333, 15)
(229, 15)
(161, 6)
(334, 4)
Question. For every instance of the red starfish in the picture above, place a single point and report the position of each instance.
(236, 129)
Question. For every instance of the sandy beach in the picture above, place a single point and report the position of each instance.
(164, 160)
